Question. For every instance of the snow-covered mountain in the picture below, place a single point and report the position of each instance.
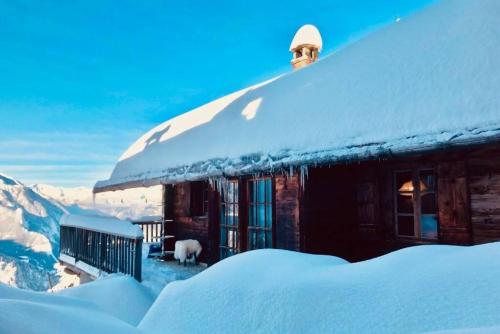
(127, 204)
(29, 236)
(29, 226)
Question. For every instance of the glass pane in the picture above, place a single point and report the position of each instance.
(261, 221)
(404, 181)
(428, 202)
(223, 236)
(251, 239)
(235, 214)
(251, 215)
(262, 240)
(262, 191)
(232, 237)
(428, 227)
(254, 192)
(230, 192)
(269, 216)
(235, 185)
(406, 226)
(269, 192)
(269, 239)
(405, 203)
(427, 180)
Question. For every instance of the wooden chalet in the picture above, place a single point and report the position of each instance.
(390, 142)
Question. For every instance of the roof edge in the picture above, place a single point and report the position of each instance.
(363, 153)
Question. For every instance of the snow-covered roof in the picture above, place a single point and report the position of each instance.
(307, 35)
(103, 224)
(426, 81)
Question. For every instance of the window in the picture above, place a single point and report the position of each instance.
(260, 213)
(199, 198)
(416, 209)
(229, 221)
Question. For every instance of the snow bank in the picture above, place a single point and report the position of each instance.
(418, 289)
(117, 295)
(426, 81)
(103, 224)
(30, 312)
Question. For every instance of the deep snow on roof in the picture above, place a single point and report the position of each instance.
(428, 80)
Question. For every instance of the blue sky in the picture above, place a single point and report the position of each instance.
(81, 80)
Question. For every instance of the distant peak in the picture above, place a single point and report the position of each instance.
(9, 181)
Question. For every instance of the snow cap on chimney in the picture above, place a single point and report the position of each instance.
(305, 46)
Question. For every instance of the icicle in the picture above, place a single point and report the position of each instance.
(304, 174)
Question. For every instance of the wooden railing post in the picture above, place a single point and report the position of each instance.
(137, 273)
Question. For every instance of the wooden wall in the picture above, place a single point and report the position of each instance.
(484, 174)
(348, 207)
(287, 196)
(186, 226)
(453, 203)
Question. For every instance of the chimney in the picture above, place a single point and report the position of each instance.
(306, 45)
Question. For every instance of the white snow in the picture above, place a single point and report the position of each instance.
(103, 224)
(431, 79)
(442, 289)
(415, 290)
(82, 310)
(157, 274)
(118, 295)
(307, 35)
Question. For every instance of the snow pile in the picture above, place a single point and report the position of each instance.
(78, 311)
(129, 204)
(117, 295)
(29, 236)
(414, 290)
(429, 80)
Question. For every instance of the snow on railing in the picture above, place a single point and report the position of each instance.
(103, 244)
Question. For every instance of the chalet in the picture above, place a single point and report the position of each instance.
(389, 142)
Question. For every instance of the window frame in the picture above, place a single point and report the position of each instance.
(416, 203)
(269, 228)
(235, 203)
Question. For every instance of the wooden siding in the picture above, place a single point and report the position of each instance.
(453, 203)
(187, 226)
(287, 195)
(485, 197)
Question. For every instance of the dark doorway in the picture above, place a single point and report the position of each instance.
(331, 212)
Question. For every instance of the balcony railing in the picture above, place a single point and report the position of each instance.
(96, 244)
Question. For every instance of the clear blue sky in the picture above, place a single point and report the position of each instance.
(81, 80)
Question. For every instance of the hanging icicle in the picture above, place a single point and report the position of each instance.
(304, 174)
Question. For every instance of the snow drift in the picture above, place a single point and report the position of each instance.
(426, 81)
(414, 290)
(111, 305)
(120, 296)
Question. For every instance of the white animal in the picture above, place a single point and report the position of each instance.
(185, 249)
